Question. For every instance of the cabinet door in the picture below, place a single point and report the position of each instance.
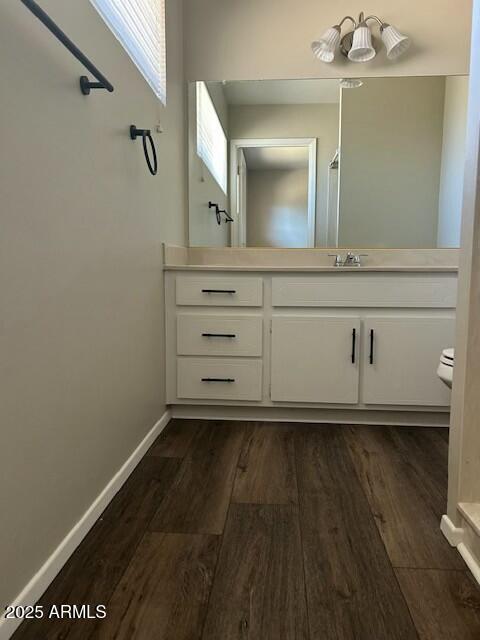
(315, 359)
(400, 360)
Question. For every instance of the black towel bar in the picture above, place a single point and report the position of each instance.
(85, 84)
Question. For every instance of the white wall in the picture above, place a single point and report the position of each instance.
(391, 142)
(453, 161)
(82, 222)
(277, 208)
(251, 39)
(295, 121)
(202, 187)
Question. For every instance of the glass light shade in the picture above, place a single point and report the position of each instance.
(351, 83)
(395, 42)
(324, 48)
(362, 49)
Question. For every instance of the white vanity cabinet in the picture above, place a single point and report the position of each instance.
(321, 359)
(219, 379)
(214, 353)
(401, 355)
(214, 291)
(328, 341)
(315, 359)
(219, 335)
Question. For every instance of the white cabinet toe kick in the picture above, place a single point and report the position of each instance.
(351, 342)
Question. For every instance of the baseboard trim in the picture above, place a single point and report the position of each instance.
(457, 537)
(453, 534)
(312, 415)
(47, 573)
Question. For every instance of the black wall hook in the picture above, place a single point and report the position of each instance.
(146, 135)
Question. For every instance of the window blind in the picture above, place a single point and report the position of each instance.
(140, 27)
(211, 139)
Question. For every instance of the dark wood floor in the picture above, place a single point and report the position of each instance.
(236, 531)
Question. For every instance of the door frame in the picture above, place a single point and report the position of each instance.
(239, 225)
(463, 467)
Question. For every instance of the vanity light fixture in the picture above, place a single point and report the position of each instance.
(357, 45)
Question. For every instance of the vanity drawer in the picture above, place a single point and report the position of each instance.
(366, 290)
(204, 335)
(219, 379)
(219, 291)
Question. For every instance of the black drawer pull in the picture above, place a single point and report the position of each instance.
(372, 339)
(218, 291)
(218, 335)
(218, 379)
(354, 340)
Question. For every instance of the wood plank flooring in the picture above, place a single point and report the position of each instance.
(198, 499)
(266, 468)
(351, 585)
(405, 494)
(444, 604)
(93, 571)
(259, 589)
(150, 601)
(255, 531)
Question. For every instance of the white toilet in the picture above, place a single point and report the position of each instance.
(445, 367)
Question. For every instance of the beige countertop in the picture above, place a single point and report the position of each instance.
(314, 269)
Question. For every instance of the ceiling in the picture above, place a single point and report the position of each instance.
(282, 92)
(276, 158)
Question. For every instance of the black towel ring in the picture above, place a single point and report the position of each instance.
(146, 135)
(214, 205)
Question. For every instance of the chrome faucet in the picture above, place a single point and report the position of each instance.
(338, 259)
(350, 260)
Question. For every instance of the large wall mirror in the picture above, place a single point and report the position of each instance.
(376, 162)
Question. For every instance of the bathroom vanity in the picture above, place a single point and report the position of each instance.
(366, 339)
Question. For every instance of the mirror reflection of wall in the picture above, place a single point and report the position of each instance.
(274, 192)
(402, 161)
(387, 170)
(296, 110)
(277, 196)
(207, 163)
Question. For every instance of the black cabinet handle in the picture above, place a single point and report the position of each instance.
(354, 341)
(218, 379)
(372, 338)
(218, 335)
(218, 291)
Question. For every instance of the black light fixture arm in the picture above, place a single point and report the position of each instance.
(146, 135)
(85, 84)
